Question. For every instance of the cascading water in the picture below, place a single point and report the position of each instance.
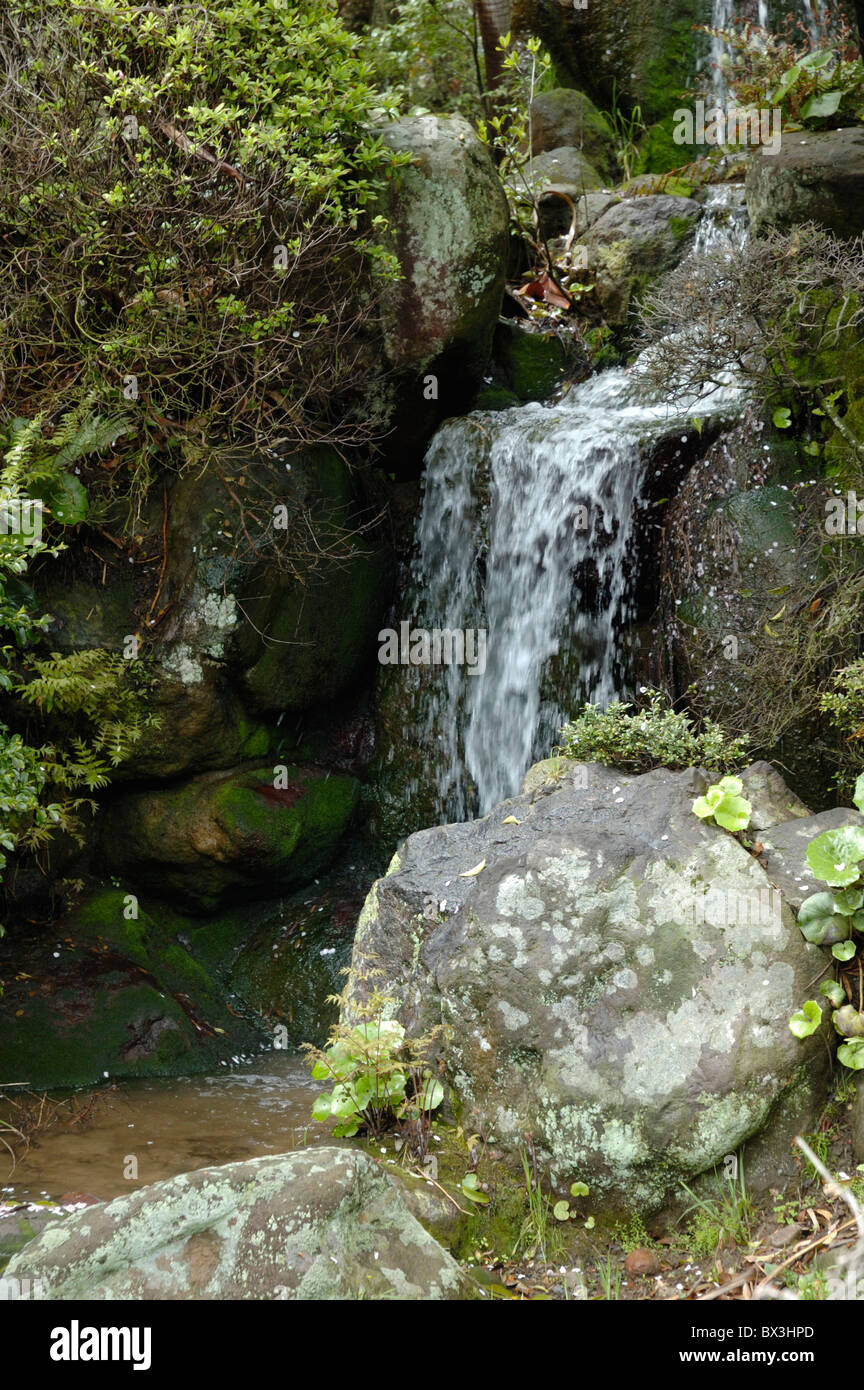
(527, 532)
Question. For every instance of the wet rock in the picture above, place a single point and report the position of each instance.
(633, 243)
(815, 177)
(326, 1223)
(278, 574)
(617, 977)
(118, 991)
(228, 836)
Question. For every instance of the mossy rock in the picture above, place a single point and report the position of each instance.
(532, 365)
(225, 837)
(114, 991)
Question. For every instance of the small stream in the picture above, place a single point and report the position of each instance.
(170, 1127)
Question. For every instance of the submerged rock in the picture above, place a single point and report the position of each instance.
(324, 1223)
(616, 976)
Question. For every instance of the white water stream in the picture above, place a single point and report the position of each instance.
(527, 531)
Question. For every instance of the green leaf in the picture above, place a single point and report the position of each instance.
(787, 82)
(561, 1211)
(431, 1096)
(703, 808)
(851, 1054)
(782, 417)
(734, 814)
(321, 1108)
(66, 499)
(858, 794)
(579, 1189)
(821, 105)
(834, 856)
(806, 1020)
(843, 950)
(820, 923)
(833, 991)
(848, 1022)
(848, 900)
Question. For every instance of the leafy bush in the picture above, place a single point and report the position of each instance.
(187, 207)
(815, 88)
(426, 56)
(654, 736)
(835, 918)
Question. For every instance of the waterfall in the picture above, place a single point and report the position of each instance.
(526, 532)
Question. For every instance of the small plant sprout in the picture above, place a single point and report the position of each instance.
(562, 1211)
(724, 803)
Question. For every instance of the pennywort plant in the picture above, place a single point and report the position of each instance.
(380, 1078)
(834, 917)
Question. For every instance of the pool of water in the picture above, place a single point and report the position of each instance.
(142, 1131)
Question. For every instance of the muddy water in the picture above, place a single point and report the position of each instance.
(160, 1128)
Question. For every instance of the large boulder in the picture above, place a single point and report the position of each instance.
(325, 1223)
(564, 117)
(224, 837)
(616, 977)
(814, 177)
(449, 222)
(633, 243)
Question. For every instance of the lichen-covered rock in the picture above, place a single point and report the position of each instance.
(564, 117)
(814, 177)
(633, 243)
(278, 571)
(449, 225)
(224, 837)
(617, 977)
(325, 1223)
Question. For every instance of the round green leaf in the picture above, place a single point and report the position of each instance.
(820, 923)
(851, 1054)
(561, 1211)
(858, 794)
(843, 950)
(835, 855)
(848, 1022)
(579, 1189)
(782, 417)
(806, 1020)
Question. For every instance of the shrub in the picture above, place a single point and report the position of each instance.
(637, 740)
(187, 208)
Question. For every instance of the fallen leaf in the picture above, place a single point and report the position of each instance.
(472, 873)
(511, 820)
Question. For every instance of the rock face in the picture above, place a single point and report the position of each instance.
(616, 975)
(634, 242)
(320, 1224)
(449, 229)
(737, 567)
(568, 118)
(814, 177)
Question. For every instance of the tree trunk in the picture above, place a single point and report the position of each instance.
(493, 18)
